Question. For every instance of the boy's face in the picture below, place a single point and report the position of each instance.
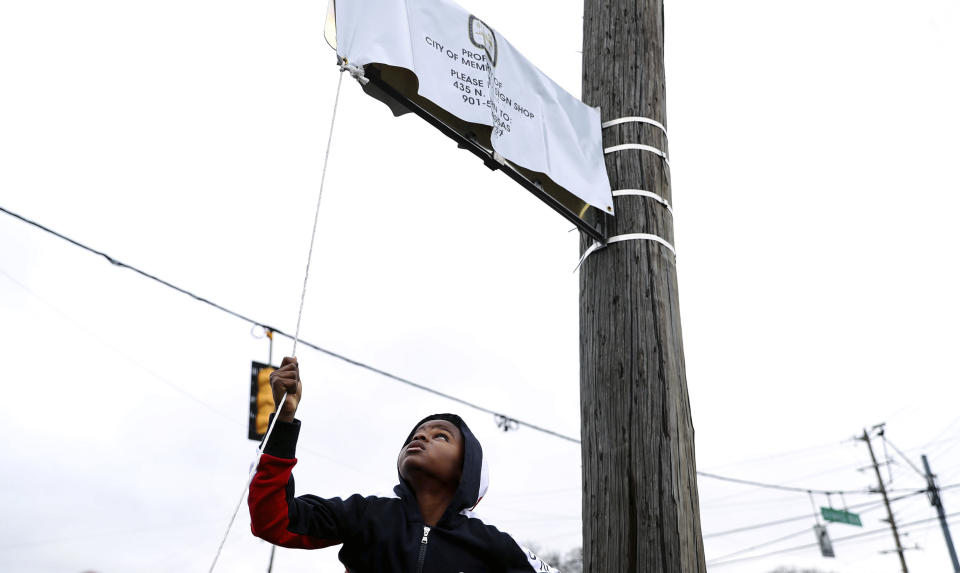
(436, 450)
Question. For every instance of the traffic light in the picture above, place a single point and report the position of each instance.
(261, 400)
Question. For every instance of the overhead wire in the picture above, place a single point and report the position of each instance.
(938, 441)
(903, 471)
(114, 261)
(943, 450)
(860, 506)
(408, 382)
(863, 507)
(76, 324)
(174, 386)
(757, 526)
(886, 459)
(370, 368)
(787, 453)
(112, 533)
(275, 330)
(804, 531)
(948, 473)
(750, 498)
(124, 265)
(941, 433)
(830, 470)
(784, 487)
(834, 541)
(922, 490)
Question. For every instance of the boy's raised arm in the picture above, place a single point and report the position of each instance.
(306, 522)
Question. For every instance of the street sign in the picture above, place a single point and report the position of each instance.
(840, 516)
(826, 547)
(435, 59)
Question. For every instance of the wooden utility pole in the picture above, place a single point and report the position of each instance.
(883, 491)
(640, 503)
(933, 491)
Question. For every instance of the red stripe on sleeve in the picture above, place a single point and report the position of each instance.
(269, 510)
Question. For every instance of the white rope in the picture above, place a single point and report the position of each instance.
(303, 294)
(642, 193)
(253, 472)
(316, 215)
(641, 147)
(236, 510)
(635, 119)
(625, 237)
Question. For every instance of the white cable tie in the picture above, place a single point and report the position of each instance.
(642, 193)
(355, 71)
(625, 237)
(635, 119)
(641, 147)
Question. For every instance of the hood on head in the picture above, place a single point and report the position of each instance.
(473, 480)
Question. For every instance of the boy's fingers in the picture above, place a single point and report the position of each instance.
(291, 373)
(286, 380)
(285, 384)
(279, 390)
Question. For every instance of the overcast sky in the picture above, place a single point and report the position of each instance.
(813, 158)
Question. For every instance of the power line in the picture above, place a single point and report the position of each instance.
(942, 451)
(804, 477)
(93, 336)
(874, 505)
(954, 438)
(121, 264)
(118, 263)
(358, 363)
(924, 490)
(758, 526)
(750, 498)
(835, 541)
(902, 455)
(428, 389)
(112, 533)
(803, 531)
(787, 453)
(784, 487)
(940, 434)
(868, 505)
(374, 369)
(805, 516)
(180, 390)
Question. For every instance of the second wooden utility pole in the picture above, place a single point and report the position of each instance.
(934, 493)
(640, 502)
(886, 501)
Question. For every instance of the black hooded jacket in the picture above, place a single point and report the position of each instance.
(384, 534)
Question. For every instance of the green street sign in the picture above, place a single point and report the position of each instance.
(840, 516)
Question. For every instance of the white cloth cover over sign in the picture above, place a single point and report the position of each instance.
(471, 71)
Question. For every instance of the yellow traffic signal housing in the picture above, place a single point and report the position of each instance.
(261, 400)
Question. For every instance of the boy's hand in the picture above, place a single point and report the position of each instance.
(287, 379)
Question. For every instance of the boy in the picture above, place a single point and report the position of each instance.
(428, 527)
